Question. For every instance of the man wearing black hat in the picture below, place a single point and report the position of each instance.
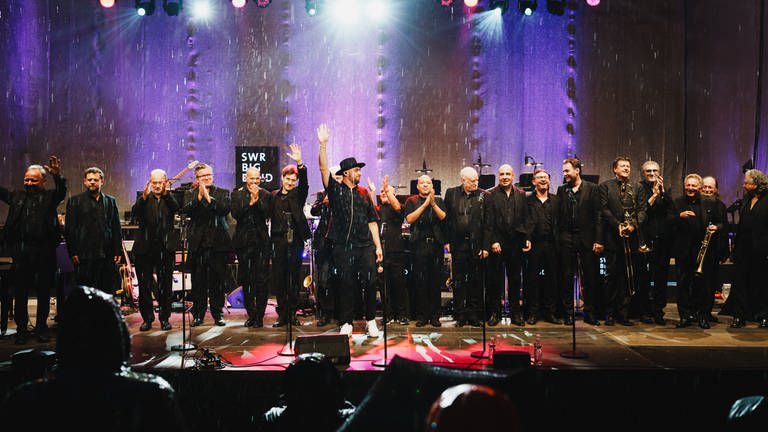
(355, 236)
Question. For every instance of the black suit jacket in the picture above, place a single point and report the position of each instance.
(479, 226)
(613, 212)
(208, 227)
(297, 197)
(251, 228)
(170, 236)
(79, 237)
(500, 231)
(588, 214)
(758, 235)
(51, 230)
(690, 232)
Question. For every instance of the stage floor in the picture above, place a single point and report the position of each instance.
(642, 346)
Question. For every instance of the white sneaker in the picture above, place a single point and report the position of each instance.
(346, 329)
(371, 328)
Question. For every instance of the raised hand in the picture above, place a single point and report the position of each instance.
(323, 134)
(147, 190)
(385, 183)
(295, 153)
(54, 165)
(371, 186)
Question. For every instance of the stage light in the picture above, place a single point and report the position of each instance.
(145, 7)
(556, 7)
(107, 3)
(311, 7)
(239, 3)
(201, 10)
(501, 5)
(172, 7)
(527, 6)
(376, 10)
(263, 3)
(470, 3)
(445, 3)
(593, 2)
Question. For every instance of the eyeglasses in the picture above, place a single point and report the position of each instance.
(204, 176)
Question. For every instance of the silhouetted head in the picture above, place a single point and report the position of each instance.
(312, 381)
(473, 407)
(92, 332)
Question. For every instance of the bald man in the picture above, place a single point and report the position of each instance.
(507, 216)
(155, 248)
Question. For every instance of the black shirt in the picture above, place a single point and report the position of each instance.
(570, 205)
(542, 216)
(463, 210)
(351, 211)
(427, 226)
(391, 221)
(280, 214)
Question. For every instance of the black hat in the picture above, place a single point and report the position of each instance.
(348, 164)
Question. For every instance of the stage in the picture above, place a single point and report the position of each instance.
(234, 372)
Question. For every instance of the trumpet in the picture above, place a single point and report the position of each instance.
(703, 252)
(624, 233)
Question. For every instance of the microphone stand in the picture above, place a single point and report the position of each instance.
(290, 313)
(482, 354)
(383, 362)
(573, 354)
(184, 345)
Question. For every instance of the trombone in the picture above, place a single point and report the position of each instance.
(625, 233)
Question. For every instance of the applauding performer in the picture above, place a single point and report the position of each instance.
(250, 208)
(209, 243)
(155, 247)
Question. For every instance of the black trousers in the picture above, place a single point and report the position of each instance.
(617, 295)
(652, 278)
(286, 270)
(426, 279)
(99, 273)
(395, 278)
(356, 266)
(469, 280)
(253, 274)
(157, 261)
(509, 262)
(573, 253)
(35, 270)
(541, 295)
(693, 292)
(209, 273)
(325, 280)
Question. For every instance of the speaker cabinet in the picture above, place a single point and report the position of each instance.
(334, 347)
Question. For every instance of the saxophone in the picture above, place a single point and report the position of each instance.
(703, 252)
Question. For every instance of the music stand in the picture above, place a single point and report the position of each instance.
(181, 221)
(482, 354)
(573, 353)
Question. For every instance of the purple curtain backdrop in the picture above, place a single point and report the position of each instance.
(670, 80)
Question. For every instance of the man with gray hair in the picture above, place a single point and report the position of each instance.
(31, 235)
(469, 240)
(155, 247)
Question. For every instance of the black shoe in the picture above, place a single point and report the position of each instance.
(196, 322)
(659, 320)
(279, 323)
(590, 319)
(475, 323)
(258, 323)
(683, 323)
(518, 320)
(532, 320)
(322, 321)
(625, 322)
(493, 321)
(552, 319)
(647, 319)
(609, 320)
(764, 323)
(435, 322)
(704, 323)
(21, 338)
(145, 326)
(165, 325)
(248, 323)
(421, 323)
(461, 322)
(711, 318)
(737, 322)
(404, 321)
(568, 320)
(219, 322)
